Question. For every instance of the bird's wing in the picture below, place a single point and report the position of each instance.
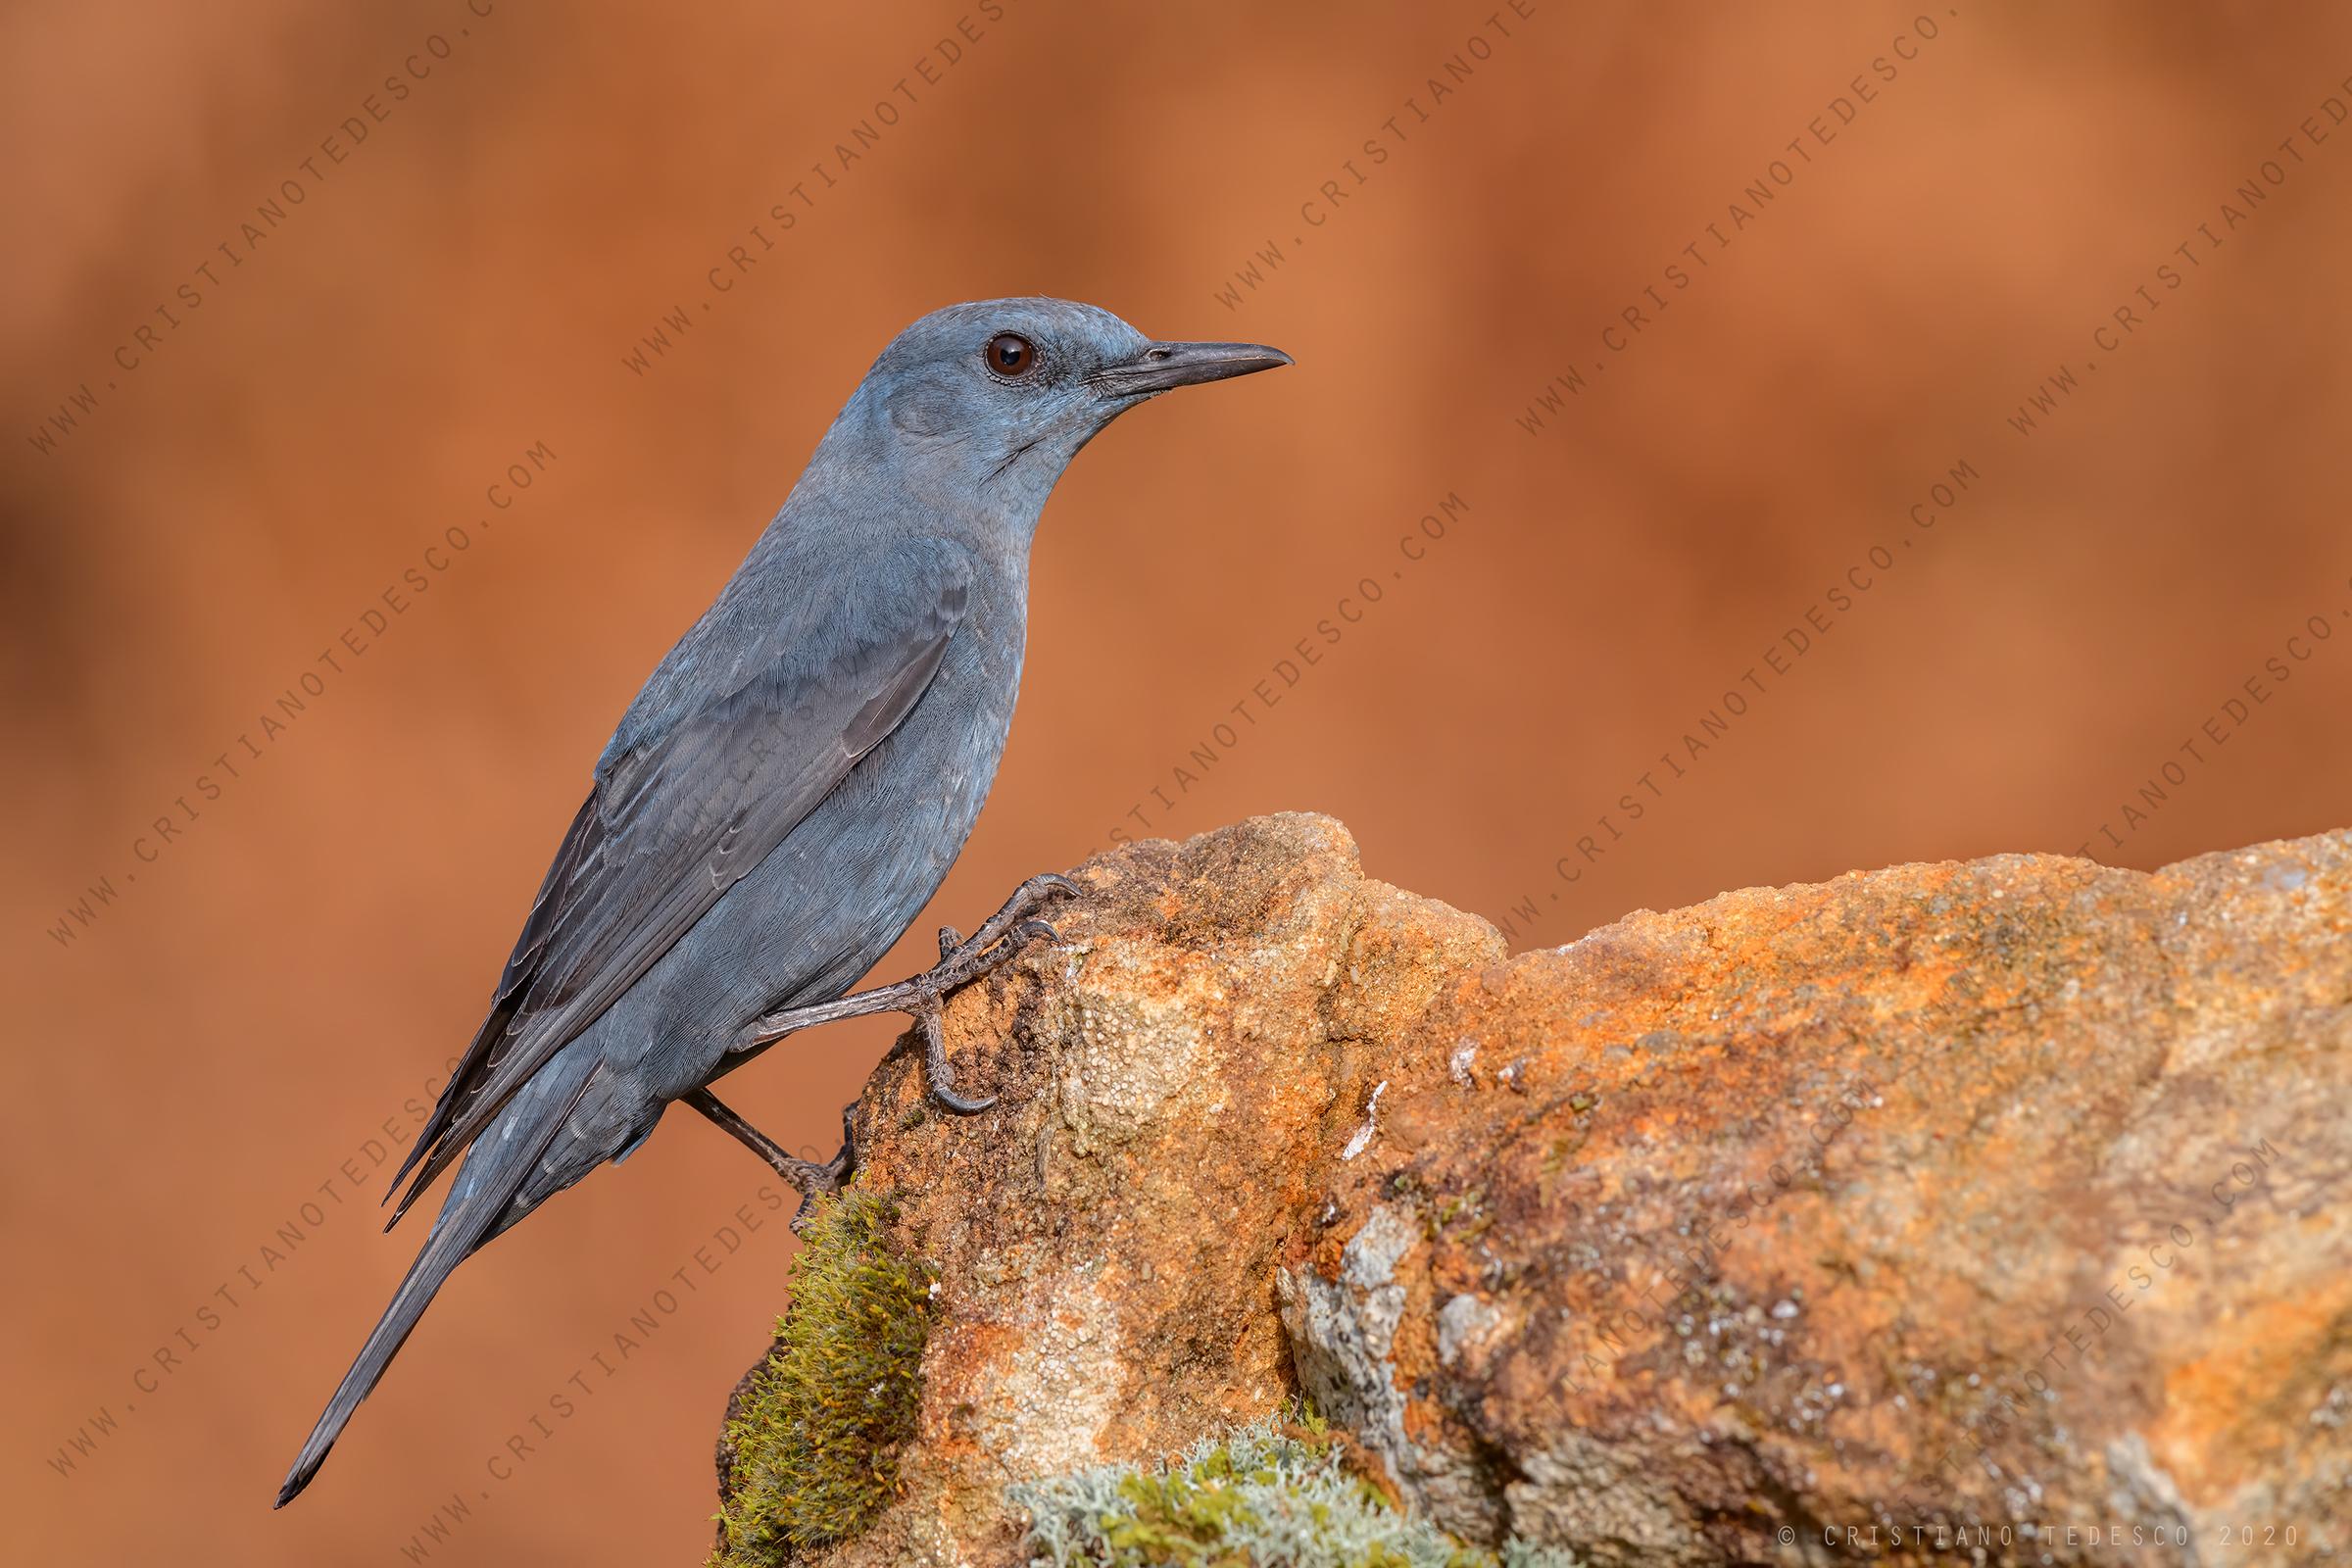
(686, 813)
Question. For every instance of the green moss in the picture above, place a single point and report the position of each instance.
(817, 1437)
(1462, 1218)
(1270, 1492)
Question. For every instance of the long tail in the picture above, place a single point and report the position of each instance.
(443, 1251)
(470, 1217)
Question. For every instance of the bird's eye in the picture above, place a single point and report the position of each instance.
(1010, 354)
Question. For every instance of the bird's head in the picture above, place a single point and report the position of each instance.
(993, 398)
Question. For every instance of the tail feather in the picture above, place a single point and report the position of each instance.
(443, 1251)
(470, 1218)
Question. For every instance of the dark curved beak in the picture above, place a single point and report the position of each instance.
(1166, 366)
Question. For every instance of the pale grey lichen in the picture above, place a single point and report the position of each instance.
(1272, 1492)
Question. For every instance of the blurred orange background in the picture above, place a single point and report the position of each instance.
(1759, 372)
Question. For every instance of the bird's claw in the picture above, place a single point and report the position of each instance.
(961, 962)
(804, 1176)
(937, 1072)
(1002, 933)
(830, 1177)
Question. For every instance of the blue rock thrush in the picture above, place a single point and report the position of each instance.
(790, 786)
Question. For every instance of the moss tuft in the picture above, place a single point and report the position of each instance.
(1270, 1492)
(815, 1437)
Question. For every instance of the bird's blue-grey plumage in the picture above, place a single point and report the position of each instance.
(792, 782)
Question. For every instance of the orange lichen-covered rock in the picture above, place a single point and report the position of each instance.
(1984, 1208)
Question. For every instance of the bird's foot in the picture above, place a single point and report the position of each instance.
(923, 997)
(829, 1177)
(805, 1176)
(961, 960)
(961, 963)
(1026, 900)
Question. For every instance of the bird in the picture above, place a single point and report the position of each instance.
(790, 787)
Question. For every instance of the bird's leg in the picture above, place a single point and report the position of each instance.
(806, 1176)
(919, 998)
(960, 963)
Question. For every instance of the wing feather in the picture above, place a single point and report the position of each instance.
(684, 814)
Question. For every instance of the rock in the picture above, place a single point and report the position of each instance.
(1987, 1205)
